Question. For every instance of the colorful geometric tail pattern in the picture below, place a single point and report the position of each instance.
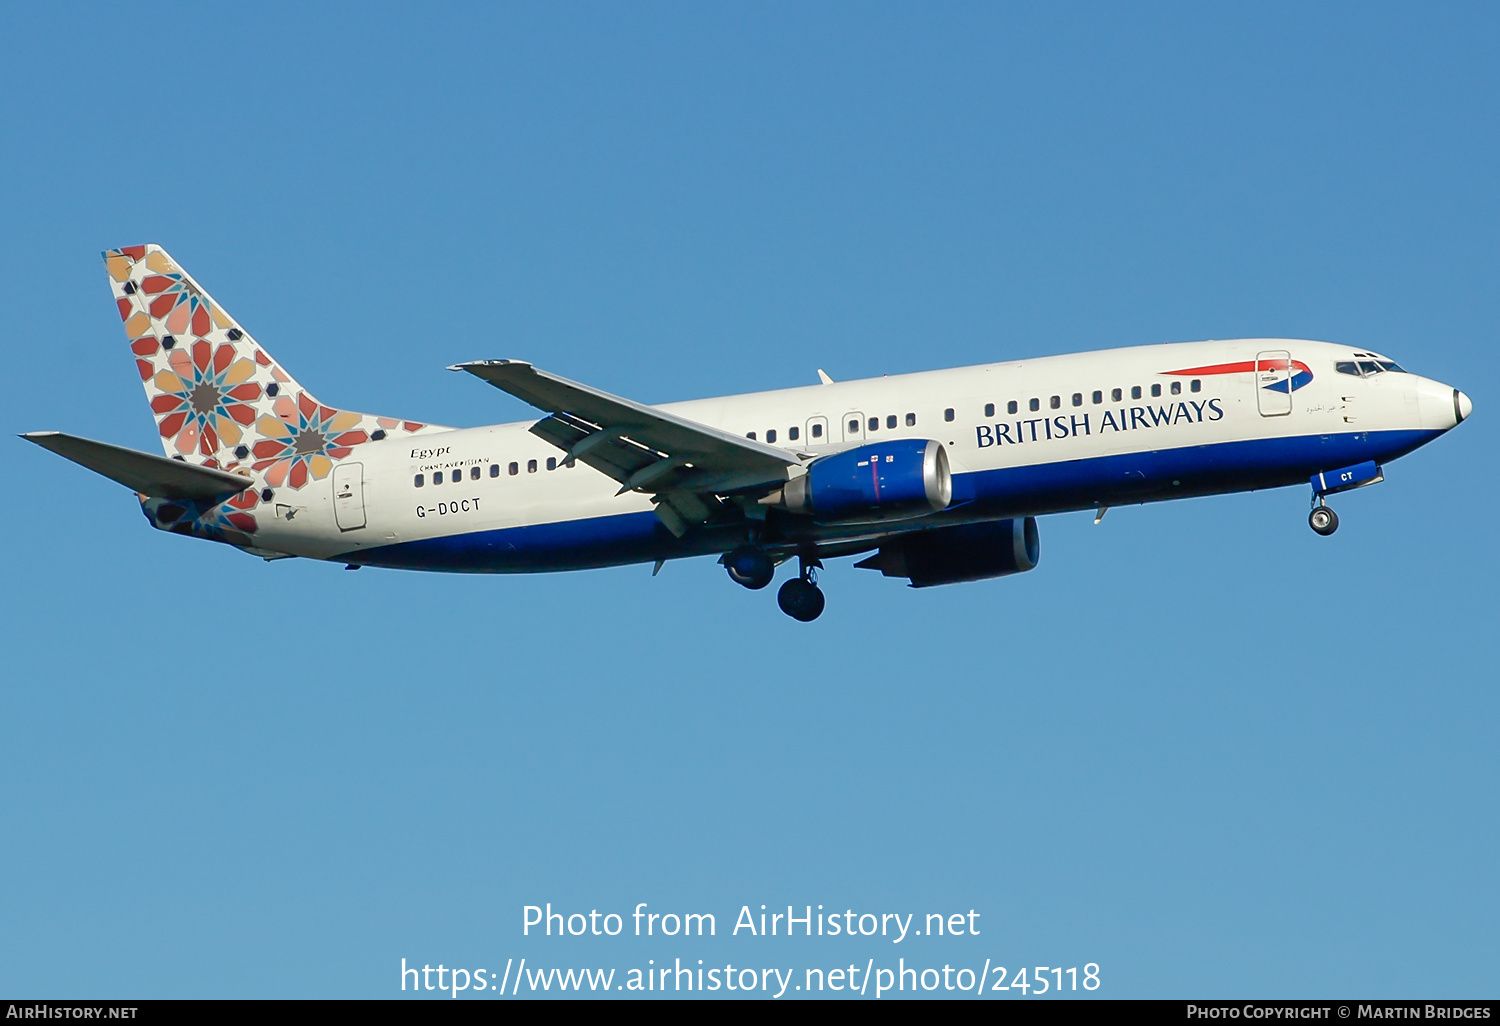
(218, 397)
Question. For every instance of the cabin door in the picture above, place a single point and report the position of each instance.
(1273, 383)
(349, 496)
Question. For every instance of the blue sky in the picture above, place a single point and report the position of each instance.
(1198, 746)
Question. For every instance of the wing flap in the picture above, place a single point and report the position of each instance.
(143, 472)
(683, 464)
(609, 453)
(646, 426)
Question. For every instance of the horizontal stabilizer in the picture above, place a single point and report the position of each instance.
(142, 472)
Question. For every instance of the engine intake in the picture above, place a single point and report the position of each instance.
(965, 552)
(895, 480)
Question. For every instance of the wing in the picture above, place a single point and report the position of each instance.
(684, 465)
(143, 472)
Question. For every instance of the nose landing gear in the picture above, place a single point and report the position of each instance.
(1323, 519)
(801, 598)
(1330, 482)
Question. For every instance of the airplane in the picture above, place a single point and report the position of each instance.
(935, 477)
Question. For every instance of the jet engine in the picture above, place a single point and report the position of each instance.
(893, 480)
(965, 552)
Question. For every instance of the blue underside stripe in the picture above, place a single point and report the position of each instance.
(1012, 491)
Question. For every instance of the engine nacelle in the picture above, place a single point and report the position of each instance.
(965, 552)
(895, 480)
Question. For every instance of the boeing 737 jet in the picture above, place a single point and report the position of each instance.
(935, 477)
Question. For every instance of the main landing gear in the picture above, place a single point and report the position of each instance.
(749, 566)
(800, 598)
(1323, 519)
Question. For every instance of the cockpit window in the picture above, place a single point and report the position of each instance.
(1365, 368)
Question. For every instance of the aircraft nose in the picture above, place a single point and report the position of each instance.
(1462, 407)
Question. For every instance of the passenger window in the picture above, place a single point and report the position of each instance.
(1115, 395)
(771, 436)
(418, 481)
(1055, 402)
(1135, 391)
(854, 427)
(890, 421)
(1012, 406)
(531, 466)
(474, 473)
(515, 468)
(494, 470)
(750, 435)
(874, 424)
(1098, 397)
(437, 477)
(817, 430)
(1156, 390)
(792, 433)
(551, 462)
(1176, 388)
(1195, 385)
(989, 409)
(1035, 404)
(948, 414)
(1077, 398)
(911, 420)
(570, 463)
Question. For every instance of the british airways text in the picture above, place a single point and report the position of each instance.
(1041, 429)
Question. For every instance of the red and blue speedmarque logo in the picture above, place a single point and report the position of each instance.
(1300, 374)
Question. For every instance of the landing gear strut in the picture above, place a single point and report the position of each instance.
(801, 598)
(1323, 519)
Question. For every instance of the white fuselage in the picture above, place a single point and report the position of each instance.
(1023, 438)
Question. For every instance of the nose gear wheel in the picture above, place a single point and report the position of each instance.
(1323, 520)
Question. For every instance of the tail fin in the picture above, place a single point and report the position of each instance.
(219, 399)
